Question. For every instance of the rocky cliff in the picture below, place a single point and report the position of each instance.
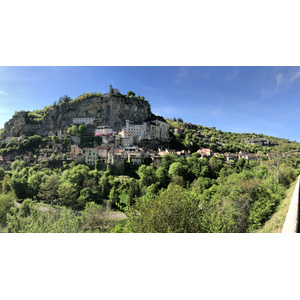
(108, 109)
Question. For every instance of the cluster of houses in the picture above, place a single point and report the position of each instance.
(133, 133)
(228, 156)
(115, 156)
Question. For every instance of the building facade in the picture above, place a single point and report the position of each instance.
(85, 121)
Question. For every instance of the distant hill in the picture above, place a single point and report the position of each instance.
(193, 137)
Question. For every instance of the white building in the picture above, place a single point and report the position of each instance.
(83, 120)
(135, 129)
(154, 128)
(90, 156)
(103, 130)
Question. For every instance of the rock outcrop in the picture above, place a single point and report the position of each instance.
(111, 109)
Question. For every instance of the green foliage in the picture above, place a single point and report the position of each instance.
(37, 116)
(2, 173)
(6, 203)
(174, 210)
(130, 94)
(147, 175)
(85, 96)
(167, 160)
(49, 189)
(190, 194)
(82, 129)
(67, 194)
(93, 218)
(73, 130)
(162, 177)
(28, 218)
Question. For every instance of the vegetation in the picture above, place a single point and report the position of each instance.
(77, 130)
(275, 224)
(37, 116)
(190, 194)
(192, 137)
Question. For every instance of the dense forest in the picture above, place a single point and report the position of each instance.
(183, 194)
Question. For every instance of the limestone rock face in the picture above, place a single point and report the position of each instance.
(108, 109)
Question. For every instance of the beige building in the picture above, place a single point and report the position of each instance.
(126, 138)
(102, 151)
(75, 150)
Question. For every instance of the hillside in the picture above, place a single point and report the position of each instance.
(200, 180)
(111, 109)
(193, 137)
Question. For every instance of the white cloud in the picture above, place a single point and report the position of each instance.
(283, 81)
(182, 75)
(2, 93)
(294, 76)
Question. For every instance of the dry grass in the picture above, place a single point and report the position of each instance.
(275, 224)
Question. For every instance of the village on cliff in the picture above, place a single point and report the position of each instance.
(137, 142)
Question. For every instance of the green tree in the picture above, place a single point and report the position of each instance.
(173, 210)
(19, 186)
(6, 203)
(73, 130)
(147, 175)
(113, 198)
(167, 160)
(67, 194)
(133, 192)
(65, 99)
(130, 94)
(2, 173)
(82, 129)
(162, 176)
(104, 187)
(77, 175)
(94, 218)
(49, 189)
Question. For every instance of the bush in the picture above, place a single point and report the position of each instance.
(174, 210)
(6, 203)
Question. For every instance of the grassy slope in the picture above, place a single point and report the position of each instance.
(275, 224)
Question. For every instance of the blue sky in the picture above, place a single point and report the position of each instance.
(237, 99)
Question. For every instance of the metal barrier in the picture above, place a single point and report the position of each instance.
(291, 224)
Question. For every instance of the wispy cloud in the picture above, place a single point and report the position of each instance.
(182, 75)
(279, 82)
(186, 75)
(2, 93)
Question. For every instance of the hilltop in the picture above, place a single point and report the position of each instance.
(110, 109)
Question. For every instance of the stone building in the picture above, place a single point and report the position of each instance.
(126, 138)
(77, 121)
(152, 128)
(75, 150)
(90, 156)
(103, 130)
